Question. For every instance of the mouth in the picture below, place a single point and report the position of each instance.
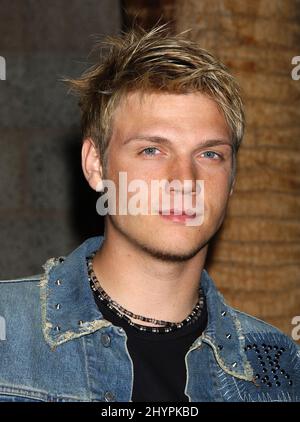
(177, 216)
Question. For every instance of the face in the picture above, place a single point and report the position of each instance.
(171, 137)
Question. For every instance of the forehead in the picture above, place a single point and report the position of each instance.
(183, 114)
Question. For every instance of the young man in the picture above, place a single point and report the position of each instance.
(133, 315)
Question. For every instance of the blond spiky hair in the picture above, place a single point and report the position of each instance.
(153, 61)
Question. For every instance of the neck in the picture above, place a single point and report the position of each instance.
(145, 285)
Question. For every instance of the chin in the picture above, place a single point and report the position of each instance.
(164, 243)
(168, 246)
(171, 254)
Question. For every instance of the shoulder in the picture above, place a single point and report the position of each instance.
(253, 325)
(21, 287)
(19, 293)
(263, 336)
(30, 281)
(19, 311)
(273, 355)
(20, 302)
(11, 287)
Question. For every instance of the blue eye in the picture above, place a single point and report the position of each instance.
(212, 154)
(150, 151)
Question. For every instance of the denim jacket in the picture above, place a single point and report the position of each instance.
(56, 346)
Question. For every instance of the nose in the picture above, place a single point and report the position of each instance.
(182, 170)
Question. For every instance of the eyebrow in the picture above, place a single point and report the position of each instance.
(166, 141)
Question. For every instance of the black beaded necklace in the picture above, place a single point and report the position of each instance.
(123, 313)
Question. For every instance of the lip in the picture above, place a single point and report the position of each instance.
(177, 218)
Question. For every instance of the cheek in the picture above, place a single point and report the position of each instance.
(132, 174)
(216, 191)
(134, 170)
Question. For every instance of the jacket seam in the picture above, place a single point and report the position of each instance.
(24, 279)
(32, 394)
(222, 364)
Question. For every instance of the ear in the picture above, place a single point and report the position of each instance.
(90, 161)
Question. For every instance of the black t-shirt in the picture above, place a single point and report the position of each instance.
(158, 359)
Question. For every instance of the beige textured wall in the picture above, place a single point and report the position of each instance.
(256, 259)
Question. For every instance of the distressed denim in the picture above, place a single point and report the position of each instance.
(57, 346)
